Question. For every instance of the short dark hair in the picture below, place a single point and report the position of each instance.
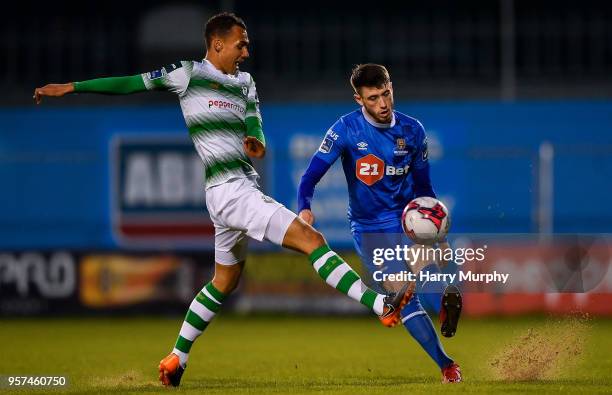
(369, 74)
(220, 25)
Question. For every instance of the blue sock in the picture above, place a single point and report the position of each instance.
(419, 325)
(430, 292)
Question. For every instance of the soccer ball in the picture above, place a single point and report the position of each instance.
(426, 220)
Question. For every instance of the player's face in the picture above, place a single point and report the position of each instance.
(378, 102)
(234, 49)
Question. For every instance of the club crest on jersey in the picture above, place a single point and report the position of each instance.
(245, 90)
(362, 146)
(400, 147)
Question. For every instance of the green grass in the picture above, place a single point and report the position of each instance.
(282, 355)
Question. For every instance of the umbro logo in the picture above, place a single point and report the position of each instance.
(362, 146)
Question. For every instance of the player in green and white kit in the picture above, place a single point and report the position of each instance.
(221, 109)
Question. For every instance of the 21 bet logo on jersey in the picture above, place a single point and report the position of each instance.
(370, 169)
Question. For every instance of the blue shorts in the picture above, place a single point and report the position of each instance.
(368, 244)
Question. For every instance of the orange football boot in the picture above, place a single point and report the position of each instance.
(170, 370)
(393, 304)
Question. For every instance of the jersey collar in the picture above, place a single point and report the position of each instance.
(212, 66)
(372, 122)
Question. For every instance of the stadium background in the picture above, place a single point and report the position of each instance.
(101, 210)
(104, 237)
(514, 97)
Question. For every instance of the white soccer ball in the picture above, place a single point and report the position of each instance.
(426, 220)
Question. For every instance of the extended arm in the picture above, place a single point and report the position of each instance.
(331, 148)
(313, 174)
(174, 77)
(110, 86)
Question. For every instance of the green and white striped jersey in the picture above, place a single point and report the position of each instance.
(219, 109)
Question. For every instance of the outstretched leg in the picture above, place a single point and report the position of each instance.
(335, 271)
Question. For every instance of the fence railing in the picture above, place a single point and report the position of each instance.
(506, 42)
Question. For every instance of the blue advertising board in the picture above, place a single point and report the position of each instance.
(95, 177)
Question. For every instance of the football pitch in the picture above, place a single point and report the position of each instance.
(297, 355)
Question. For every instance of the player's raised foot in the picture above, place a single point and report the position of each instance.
(450, 311)
(170, 370)
(393, 304)
(451, 374)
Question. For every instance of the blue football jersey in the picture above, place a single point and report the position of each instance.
(378, 161)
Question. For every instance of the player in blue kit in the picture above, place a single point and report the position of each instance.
(385, 160)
